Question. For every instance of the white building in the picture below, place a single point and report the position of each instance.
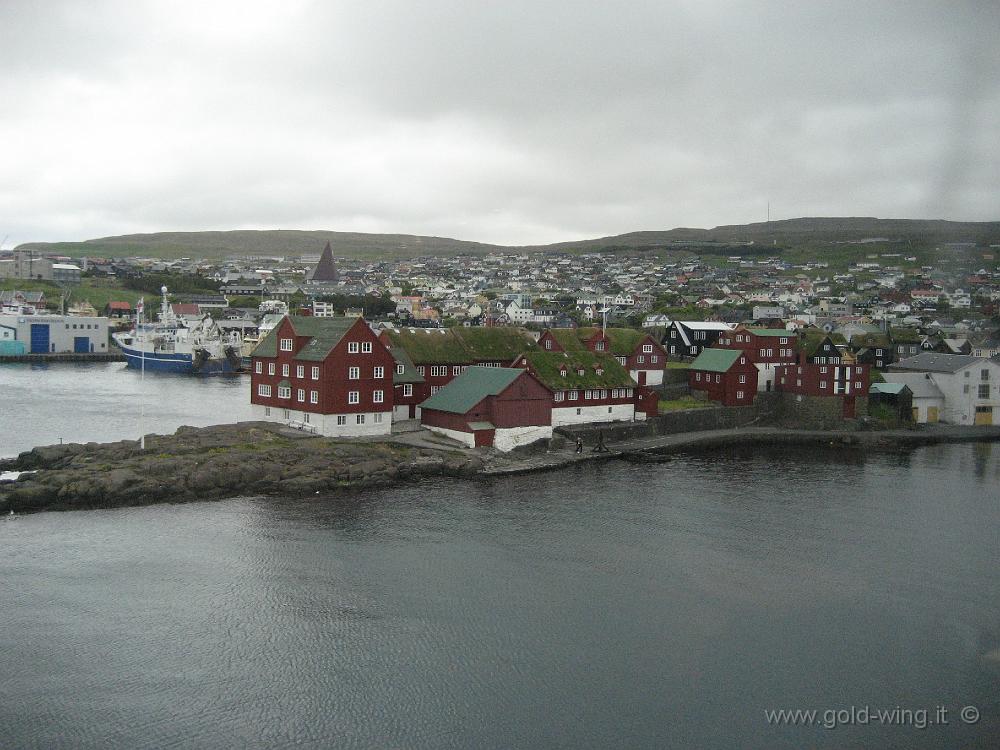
(970, 386)
(928, 400)
(57, 334)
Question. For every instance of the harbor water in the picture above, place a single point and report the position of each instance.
(43, 404)
(602, 606)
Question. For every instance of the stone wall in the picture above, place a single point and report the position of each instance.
(816, 412)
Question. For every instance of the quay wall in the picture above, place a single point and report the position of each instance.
(65, 357)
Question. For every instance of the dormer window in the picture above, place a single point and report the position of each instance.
(562, 371)
(580, 371)
(599, 346)
(286, 345)
(599, 370)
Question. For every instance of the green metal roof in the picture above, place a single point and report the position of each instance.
(716, 360)
(471, 387)
(325, 334)
(409, 373)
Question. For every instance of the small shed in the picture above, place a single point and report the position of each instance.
(895, 396)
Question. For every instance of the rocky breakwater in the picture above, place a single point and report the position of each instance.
(249, 458)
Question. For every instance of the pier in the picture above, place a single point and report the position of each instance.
(65, 357)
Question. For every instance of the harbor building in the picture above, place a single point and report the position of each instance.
(58, 334)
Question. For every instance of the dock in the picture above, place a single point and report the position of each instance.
(64, 357)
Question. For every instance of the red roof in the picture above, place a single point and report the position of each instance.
(185, 308)
(119, 306)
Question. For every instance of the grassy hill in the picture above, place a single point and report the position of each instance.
(806, 233)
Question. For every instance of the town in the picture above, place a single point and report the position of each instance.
(500, 349)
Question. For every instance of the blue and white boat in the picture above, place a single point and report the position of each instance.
(173, 344)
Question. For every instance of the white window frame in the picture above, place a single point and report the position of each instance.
(354, 397)
(286, 345)
(258, 367)
(284, 391)
(284, 371)
(378, 397)
(300, 371)
(353, 373)
(366, 347)
(300, 395)
(341, 420)
(264, 390)
(407, 389)
(315, 373)
(270, 368)
(313, 397)
(353, 347)
(378, 373)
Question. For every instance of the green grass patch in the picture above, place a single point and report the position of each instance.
(685, 402)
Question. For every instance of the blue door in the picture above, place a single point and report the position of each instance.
(39, 338)
(81, 344)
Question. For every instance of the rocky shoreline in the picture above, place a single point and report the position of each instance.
(261, 458)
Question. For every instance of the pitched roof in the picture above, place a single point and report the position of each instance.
(776, 332)
(455, 346)
(409, 373)
(471, 387)
(623, 341)
(716, 360)
(919, 383)
(324, 333)
(547, 368)
(890, 388)
(937, 362)
(326, 269)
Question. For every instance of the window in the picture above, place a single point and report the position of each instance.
(697, 377)
(984, 374)
(305, 417)
(578, 412)
(966, 373)
(270, 368)
(408, 389)
(313, 397)
(739, 395)
(420, 370)
(640, 359)
(559, 396)
(286, 345)
(822, 384)
(654, 359)
(353, 397)
(822, 369)
(284, 391)
(857, 385)
(574, 395)
(783, 341)
(284, 371)
(361, 418)
(267, 411)
(399, 369)
(599, 346)
(353, 373)
(621, 360)
(984, 390)
(456, 370)
(300, 371)
(435, 389)
(548, 343)
(762, 352)
(965, 388)
(647, 347)
(379, 373)
(315, 373)
(377, 396)
(300, 395)
(378, 417)
(352, 347)
(366, 347)
(257, 367)
(604, 393)
(587, 395)
(743, 378)
(264, 390)
(341, 419)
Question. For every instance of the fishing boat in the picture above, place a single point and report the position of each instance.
(172, 344)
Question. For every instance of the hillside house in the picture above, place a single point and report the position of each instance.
(724, 375)
(637, 351)
(970, 386)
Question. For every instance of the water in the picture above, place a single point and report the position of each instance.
(81, 402)
(604, 606)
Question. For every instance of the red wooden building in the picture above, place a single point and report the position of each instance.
(846, 381)
(724, 375)
(765, 347)
(639, 353)
(328, 375)
(491, 406)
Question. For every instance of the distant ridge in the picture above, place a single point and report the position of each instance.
(282, 242)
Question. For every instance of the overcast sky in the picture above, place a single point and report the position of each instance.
(505, 121)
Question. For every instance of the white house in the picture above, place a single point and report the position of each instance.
(928, 400)
(970, 386)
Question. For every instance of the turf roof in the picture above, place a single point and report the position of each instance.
(455, 346)
(546, 367)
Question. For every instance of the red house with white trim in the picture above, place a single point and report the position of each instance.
(331, 376)
(640, 354)
(724, 375)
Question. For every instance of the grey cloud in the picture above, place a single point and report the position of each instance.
(517, 122)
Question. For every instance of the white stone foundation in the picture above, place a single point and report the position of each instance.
(617, 413)
(326, 424)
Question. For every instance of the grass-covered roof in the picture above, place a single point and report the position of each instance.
(454, 346)
(599, 370)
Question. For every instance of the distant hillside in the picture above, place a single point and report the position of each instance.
(788, 233)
